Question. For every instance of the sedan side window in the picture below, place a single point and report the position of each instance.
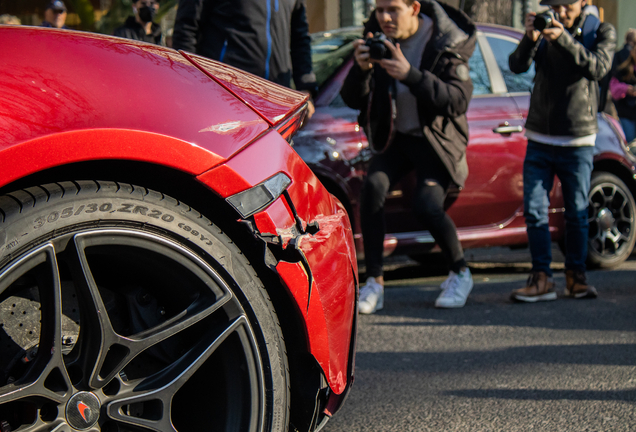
(516, 83)
(479, 73)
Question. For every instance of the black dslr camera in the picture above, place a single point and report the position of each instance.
(545, 20)
(377, 49)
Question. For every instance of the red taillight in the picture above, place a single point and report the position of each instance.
(290, 125)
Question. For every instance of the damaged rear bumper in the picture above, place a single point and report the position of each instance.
(315, 258)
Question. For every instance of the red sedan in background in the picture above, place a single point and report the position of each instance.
(489, 209)
(121, 306)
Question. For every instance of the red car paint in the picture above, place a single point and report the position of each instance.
(276, 104)
(328, 255)
(79, 97)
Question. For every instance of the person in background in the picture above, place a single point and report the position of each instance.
(9, 19)
(140, 26)
(570, 57)
(428, 79)
(267, 38)
(623, 85)
(55, 15)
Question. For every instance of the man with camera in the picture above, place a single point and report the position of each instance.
(413, 96)
(572, 51)
(141, 25)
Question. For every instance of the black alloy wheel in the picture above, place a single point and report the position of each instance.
(612, 221)
(122, 309)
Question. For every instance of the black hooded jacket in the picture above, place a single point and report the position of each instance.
(442, 87)
(268, 38)
(135, 31)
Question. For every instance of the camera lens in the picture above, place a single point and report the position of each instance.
(377, 51)
(543, 21)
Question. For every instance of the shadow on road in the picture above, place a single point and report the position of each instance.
(497, 260)
(548, 395)
(462, 362)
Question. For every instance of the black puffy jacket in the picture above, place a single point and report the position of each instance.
(268, 38)
(565, 97)
(133, 30)
(441, 86)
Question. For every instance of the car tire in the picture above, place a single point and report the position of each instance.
(612, 221)
(127, 301)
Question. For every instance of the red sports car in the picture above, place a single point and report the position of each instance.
(123, 308)
(489, 209)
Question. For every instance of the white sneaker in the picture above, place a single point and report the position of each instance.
(446, 283)
(457, 289)
(371, 297)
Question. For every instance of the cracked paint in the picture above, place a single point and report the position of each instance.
(327, 225)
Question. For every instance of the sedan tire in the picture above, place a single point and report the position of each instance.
(612, 221)
(122, 309)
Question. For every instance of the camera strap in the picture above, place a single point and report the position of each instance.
(588, 31)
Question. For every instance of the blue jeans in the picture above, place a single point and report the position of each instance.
(573, 166)
(629, 127)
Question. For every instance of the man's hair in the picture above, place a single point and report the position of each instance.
(630, 36)
(409, 2)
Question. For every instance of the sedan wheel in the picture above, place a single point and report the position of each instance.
(124, 310)
(612, 220)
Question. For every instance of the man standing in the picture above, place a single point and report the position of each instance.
(55, 15)
(570, 56)
(268, 38)
(626, 51)
(140, 26)
(414, 104)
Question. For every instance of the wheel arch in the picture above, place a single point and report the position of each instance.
(185, 188)
(615, 167)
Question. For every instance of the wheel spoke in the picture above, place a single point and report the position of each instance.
(625, 220)
(610, 197)
(127, 348)
(46, 376)
(97, 331)
(162, 386)
(602, 240)
(616, 237)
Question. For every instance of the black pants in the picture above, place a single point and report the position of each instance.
(405, 154)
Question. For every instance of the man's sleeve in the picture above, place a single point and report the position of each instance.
(521, 58)
(304, 78)
(356, 88)
(448, 94)
(186, 25)
(594, 64)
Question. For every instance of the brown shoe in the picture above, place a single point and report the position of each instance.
(576, 285)
(539, 287)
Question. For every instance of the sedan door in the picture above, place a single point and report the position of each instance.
(490, 207)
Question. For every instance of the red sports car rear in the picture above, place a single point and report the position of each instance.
(167, 261)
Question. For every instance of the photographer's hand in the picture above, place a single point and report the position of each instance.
(397, 66)
(553, 33)
(361, 54)
(531, 32)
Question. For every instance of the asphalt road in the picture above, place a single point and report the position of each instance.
(567, 365)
